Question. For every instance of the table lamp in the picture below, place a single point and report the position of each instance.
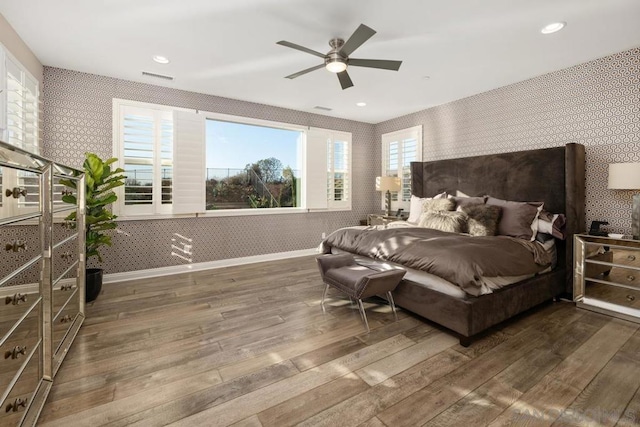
(388, 184)
(626, 176)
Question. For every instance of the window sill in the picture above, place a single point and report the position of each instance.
(228, 213)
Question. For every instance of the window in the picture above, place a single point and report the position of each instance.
(252, 165)
(19, 123)
(179, 161)
(145, 151)
(399, 149)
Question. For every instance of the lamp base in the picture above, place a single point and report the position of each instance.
(387, 203)
(635, 217)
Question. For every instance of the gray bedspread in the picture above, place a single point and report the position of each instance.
(460, 259)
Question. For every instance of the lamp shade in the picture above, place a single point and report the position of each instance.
(387, 183)
(624, 176)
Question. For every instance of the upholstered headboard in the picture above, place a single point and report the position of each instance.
(555, 176)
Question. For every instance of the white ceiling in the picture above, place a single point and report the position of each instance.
(228, 48)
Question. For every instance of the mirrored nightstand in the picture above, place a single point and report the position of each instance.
(607, 275)
(382, 219)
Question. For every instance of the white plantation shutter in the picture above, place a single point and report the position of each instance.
(316, 169)
(19, 122)
(328, 169)
(146, 155)
(399, 149)
(409, 154)
(21, 107)
(339, 170)
(189, 162)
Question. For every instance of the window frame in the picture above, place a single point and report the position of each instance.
(208, 115)
(401, 135)
(346, 202)
(157, 209)
(127, 214)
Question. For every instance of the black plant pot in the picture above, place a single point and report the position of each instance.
(93, 284)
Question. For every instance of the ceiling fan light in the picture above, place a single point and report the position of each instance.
(336, 66)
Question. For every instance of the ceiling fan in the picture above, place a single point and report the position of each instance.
(337, 59)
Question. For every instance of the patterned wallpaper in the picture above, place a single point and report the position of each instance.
(596, 104)
(77, 117)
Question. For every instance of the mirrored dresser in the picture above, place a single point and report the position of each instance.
(41, 280)
(607, 275)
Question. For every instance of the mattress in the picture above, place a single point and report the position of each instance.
(436, 283)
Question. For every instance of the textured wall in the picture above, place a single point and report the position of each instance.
(77, 117)
(596, 104)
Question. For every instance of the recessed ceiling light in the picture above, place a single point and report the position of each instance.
(361, 104)
(161, 59)
(553, 27)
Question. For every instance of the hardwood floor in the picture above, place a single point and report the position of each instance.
(250, 346)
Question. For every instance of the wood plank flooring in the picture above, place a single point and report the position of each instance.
(250, 346)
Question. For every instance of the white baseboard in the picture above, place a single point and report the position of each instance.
(187, 268)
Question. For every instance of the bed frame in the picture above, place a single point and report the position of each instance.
(553, 175)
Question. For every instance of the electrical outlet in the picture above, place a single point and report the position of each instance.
(324, 235)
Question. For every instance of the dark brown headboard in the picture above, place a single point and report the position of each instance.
(555, 176)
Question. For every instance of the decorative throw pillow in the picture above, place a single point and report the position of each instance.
(554, 224)
(483, 219)
(519, 219)
(415, 206)
(437, 205)
(450, 221)
(467, 201)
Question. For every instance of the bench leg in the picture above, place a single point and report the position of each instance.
(324, 294)
(393, 305)
(363, 314)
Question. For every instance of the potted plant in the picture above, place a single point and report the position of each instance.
(100, 180)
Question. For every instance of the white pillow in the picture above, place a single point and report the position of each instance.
(415, 206)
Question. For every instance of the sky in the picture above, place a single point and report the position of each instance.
(234, 145)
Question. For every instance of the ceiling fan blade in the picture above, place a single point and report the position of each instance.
(376, 63)
(359, 36)
(302, 48)
(345, 80)
(308, 70)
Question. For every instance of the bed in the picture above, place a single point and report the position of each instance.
(555, 176)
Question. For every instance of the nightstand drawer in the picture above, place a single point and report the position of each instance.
(625, 276)
(613, 294)
(626, 257)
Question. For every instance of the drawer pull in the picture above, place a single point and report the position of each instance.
(66, 319)
(16, 192)
(66, 255)
(15, 352)
(631, 278)
(66, 287)
(631, 257)
(16, 299)
(631, 298)
(16, 246)
(17, 404)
